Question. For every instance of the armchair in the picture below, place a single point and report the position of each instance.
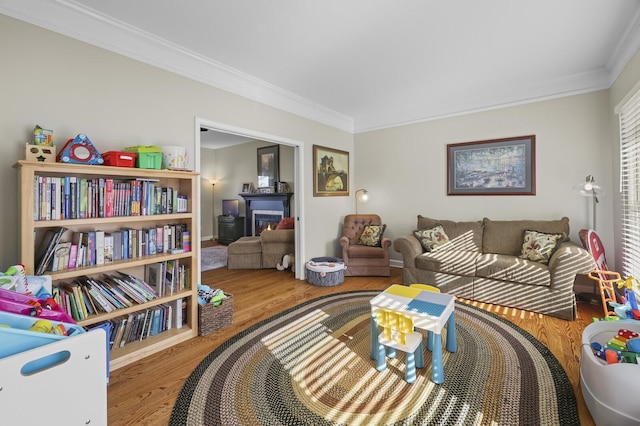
(360, 259)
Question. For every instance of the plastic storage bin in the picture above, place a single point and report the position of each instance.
(119, 159)
(149, 157)
(325, 271)
(18, 338)
(610, 390)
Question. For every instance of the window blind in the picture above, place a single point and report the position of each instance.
(629, 116)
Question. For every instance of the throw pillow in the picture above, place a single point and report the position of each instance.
(539, 246)
(432, 238)
(286, 223)
(372, 235)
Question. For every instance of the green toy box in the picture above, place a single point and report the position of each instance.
(149, 156)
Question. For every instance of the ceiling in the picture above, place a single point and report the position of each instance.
(364, 64)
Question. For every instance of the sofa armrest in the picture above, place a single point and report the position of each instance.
(277, 236)
(344, 242)
(410, 248)
(569, 260)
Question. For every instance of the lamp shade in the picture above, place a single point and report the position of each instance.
(362, 195)
(588, 188)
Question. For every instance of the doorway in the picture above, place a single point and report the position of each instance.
(248, 134)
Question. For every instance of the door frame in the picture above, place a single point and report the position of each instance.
(298, 199)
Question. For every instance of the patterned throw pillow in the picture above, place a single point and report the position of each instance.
(432, 238)
(372, 235)
(539, 246)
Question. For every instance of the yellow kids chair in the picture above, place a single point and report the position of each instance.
(398, 333)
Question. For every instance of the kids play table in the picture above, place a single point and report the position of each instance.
(430, 311)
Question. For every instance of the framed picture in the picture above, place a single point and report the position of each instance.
(268, 165)
(492, 167)
(246, 188)
(330, 171)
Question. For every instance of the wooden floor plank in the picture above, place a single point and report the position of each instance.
(145, 392)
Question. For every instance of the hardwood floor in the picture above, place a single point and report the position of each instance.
(144, 393)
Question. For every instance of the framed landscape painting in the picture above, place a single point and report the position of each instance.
(330, 171)
(492, 167)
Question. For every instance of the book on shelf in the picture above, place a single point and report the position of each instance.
(108, 248)
(153, 275)
(99, 247)
(46, 248)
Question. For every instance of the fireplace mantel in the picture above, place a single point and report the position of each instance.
(279, 201)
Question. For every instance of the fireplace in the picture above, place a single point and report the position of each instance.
(265, 219)
(275, 203)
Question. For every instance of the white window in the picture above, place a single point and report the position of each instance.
(629, 113)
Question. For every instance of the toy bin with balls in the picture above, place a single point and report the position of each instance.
(610, 389)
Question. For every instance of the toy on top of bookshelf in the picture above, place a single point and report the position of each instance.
(40, 153)
(42, 136)
(80, 150)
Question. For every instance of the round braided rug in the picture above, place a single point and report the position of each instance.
(310, 365)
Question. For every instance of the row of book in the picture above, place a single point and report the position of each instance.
(90, 248)
(72, 197)
(87, 296)
(167, 277)
(149, 322)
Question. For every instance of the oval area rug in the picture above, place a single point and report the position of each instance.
(310, 365)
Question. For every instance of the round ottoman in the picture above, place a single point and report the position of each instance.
(325, 271)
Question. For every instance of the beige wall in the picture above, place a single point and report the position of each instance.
(72, 87)
(404, 168)
(231, 167)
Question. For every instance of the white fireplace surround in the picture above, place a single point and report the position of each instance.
(255, 213)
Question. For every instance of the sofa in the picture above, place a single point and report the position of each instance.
(263, 252)
(524, 264)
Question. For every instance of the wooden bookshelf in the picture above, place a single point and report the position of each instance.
(32, 231)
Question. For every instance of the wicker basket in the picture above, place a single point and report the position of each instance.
(212, 317)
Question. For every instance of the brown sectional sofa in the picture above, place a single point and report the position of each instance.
(482, 262)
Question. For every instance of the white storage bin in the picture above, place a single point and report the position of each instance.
(610, 390)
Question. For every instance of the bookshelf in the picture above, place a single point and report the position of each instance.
(33, 230)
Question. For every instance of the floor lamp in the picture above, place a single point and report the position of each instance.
(213, 207)
(588, 188)
(364, 197)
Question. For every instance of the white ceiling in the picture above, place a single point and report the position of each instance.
(364, 64)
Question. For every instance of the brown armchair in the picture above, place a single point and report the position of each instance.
(363, 260)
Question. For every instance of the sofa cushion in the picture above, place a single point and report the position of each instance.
(372, 235)
(361, 251)
(513, 269)
(507, 236)
(431, 238)
(465, 236)
(539, 246)
(458, 262)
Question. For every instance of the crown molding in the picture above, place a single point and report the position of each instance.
(490, 99)
(75, 20)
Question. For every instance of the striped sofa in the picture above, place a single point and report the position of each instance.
(482, 261)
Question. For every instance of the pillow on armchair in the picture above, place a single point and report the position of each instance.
(372, 235)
